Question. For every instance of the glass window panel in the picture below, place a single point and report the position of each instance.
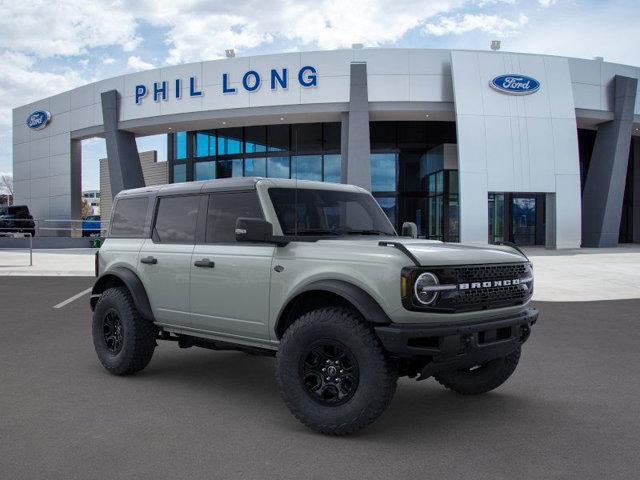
(128, 217)
(388, 205)
(439, 182)
(383, 172)
(176, 219)
(255, 167)
(307, 167)
(180, 173)
(432, 184)
(332, 165)
(278, 167)
(255, 139)
(453, 182)
(224, 210)
(180, 146)
(205, 144)
(306, 137)
(278, 138)
(332, 136)
(229, 168)
(229, 141)
(204, 170)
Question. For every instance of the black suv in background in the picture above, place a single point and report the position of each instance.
(17, 219)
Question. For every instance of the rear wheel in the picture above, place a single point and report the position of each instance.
(480, 378)
(332, 372)
(123, 340)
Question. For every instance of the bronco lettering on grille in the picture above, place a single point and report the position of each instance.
(494, 283)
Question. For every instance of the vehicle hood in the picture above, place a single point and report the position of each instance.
(435, 253)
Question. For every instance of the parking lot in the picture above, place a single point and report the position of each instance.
(570, 411)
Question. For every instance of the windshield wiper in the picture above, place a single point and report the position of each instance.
(314, 231)
(366, 232)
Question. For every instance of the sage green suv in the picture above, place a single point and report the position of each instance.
(314, 274)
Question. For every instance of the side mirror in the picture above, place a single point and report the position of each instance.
(254, 230)
(409, 229)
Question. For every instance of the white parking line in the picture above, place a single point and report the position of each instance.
(75, 297)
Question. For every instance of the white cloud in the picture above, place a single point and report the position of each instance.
(20, 83)
(136, 63)
(108, 61)
(547, 3)
(199, 31)
(491, 24)
(46, 28)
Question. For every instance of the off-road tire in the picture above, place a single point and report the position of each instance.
(483, 379)
(138, 335)
(377, 376)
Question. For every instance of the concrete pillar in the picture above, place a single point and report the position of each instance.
(356, 162)
(636, 190)
(604, 187)
(125, 170)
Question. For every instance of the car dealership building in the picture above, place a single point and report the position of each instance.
(472, 146)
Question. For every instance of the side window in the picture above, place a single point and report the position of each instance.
(176, 219)
(128, 217)
(224, 210)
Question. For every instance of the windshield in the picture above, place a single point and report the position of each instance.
(328, 212)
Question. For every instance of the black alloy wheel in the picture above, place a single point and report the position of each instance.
(112, 331)
(329, 372)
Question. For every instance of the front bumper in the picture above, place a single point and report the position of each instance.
(448, 346)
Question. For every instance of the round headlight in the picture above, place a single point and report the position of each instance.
(421, 289)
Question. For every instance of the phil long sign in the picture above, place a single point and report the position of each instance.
(515, 84)
(250, 81)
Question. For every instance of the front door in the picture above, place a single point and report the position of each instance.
(523, 219)
(229, 280)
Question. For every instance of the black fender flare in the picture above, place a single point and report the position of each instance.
(361, 300)
(133, 284)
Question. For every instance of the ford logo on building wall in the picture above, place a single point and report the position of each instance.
(515, 84)
(38, 119)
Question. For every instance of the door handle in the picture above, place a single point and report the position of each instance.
(149, 260)
(204, 263)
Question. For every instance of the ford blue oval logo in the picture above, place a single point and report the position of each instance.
(38, 119)
(515, 84)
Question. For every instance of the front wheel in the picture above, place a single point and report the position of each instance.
(123, 340)
(332, 372)
(480, 378)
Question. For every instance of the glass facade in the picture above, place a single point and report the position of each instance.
(410, 179)
(308, 151)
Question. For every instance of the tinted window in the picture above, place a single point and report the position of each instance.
(176, 219)
(224, 210)
(128, 217)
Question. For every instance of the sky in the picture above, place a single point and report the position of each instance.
(47, 47)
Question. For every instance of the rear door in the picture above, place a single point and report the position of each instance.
(229, 280)
(164, 263)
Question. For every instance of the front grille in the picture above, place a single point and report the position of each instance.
(486, 297)
(479, 273)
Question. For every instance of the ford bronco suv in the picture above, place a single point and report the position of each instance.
(314, 274)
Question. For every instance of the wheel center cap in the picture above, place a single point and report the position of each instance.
(332, 370)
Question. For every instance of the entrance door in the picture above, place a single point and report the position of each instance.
(523, 219)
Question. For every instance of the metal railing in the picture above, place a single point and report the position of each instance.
(38, 227)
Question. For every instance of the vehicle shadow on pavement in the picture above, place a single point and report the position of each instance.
(245, 384)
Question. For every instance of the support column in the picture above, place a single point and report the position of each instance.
(636, 190)
(356, 148)
(125, 170)
(604, 187)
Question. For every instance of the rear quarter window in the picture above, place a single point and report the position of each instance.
(128, 218)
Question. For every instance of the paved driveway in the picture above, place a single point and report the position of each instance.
(572, 409)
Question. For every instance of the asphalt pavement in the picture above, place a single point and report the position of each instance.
(571, 410)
